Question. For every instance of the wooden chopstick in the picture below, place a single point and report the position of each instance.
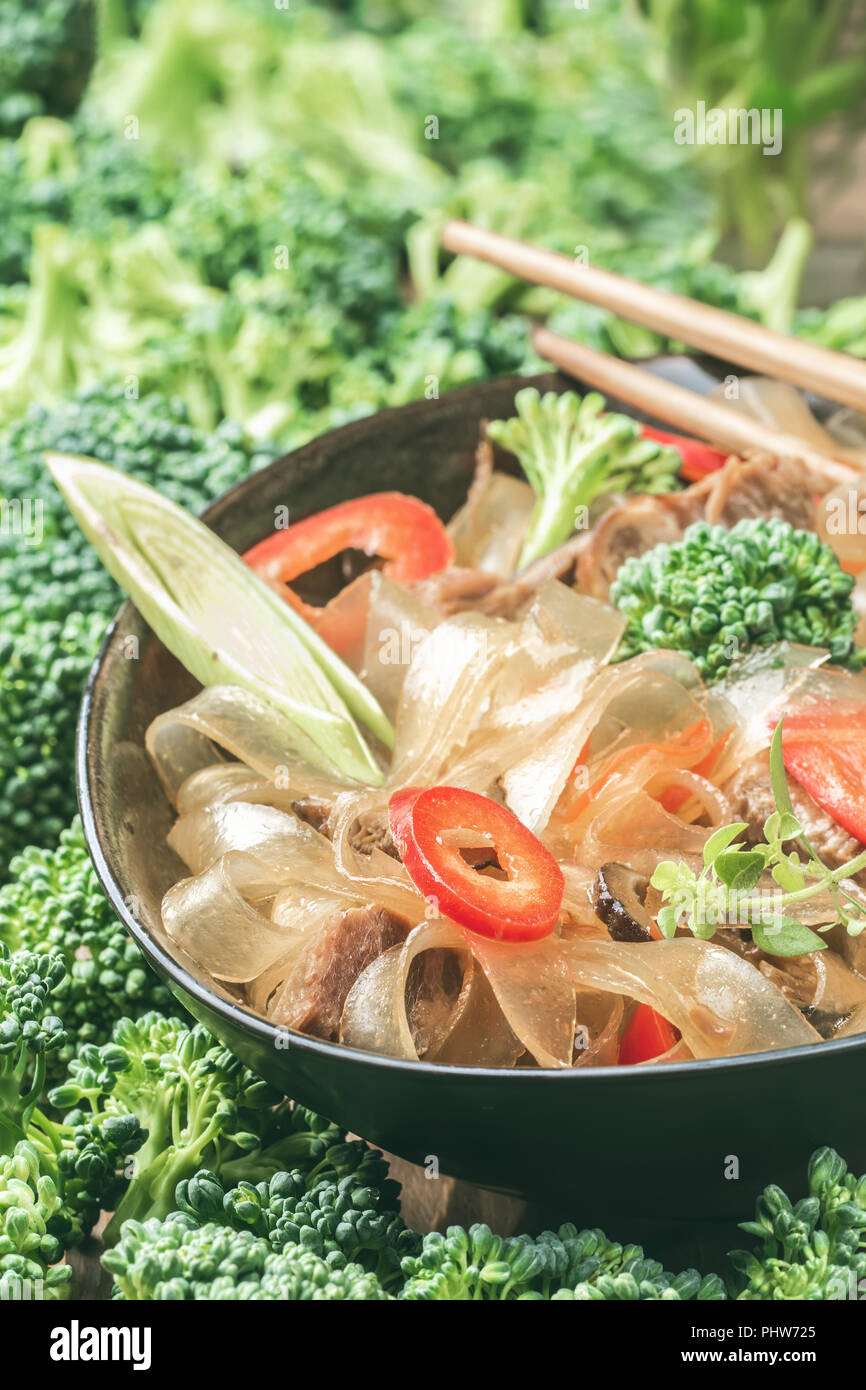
(835, 375)
(687, 411)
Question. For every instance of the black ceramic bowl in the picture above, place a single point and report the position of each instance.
(612, 1145)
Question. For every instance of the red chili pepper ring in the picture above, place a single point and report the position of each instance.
(432, 826)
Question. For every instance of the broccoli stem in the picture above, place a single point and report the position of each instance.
(579, 476)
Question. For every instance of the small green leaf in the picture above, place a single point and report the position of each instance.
(772, 827)
(787, 877)
(721, 839)
(667, 875)
(667, 920)
(785, 936)
(704, 929)
(778, 778)
(740, 869)
(790, 828)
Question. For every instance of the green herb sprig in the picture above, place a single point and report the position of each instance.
(724, 891)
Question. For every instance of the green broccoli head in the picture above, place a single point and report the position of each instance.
(564, 1264)
(81, 175)
(173, 1260)
(814, 1249)
(198, 1104)
(54, 1178)
(194, 1099)
(53, 904)
(29, 1032)
(343, 1220)
(47, 49)
(718, 592)
(29, 1202)
(572, 451)
(42, 674)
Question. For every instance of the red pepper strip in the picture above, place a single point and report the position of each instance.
(405, 532)
(647, 1034)
(683, 747)
(824, 748)
(674, 798)
(432, 825)
(698, 459)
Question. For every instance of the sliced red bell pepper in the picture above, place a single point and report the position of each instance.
(432, 825)
(824, 748)
(405, 532)
(698, 459)
(647, 1034)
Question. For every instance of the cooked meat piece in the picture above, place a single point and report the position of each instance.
(371, 831)
(455, 589)
(762, 487)
(460, 590)
(315, 810)
(630, 529)
(759, 487)
(312, 997)
(751, 795)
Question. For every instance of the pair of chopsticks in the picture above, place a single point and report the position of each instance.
(723, 334)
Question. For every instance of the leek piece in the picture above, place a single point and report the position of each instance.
(219, 618)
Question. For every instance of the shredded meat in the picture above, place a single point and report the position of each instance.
(315, 810)
(371, 831)
(460, 590)
(743, 488)
(456, 589)
(312, 998)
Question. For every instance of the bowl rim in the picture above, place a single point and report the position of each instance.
(237, 1014)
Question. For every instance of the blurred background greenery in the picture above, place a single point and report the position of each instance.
(237, 202)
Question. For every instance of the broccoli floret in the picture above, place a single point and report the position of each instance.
(842, 326)
(54, 1177)
(171, 1260)
(50, 351)
(21, 1277)
(25, 201)
(42, 673)
(475, 1264)
(565, 1264)
(29, 1201)
(343, 1220)
(79, 175)
(339, 250)
(53, 903)
(29, 1031)
(718, 592)
(198, 1104)
(47, 50)
(55, 597)
(571, 452)
(812, 1250)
